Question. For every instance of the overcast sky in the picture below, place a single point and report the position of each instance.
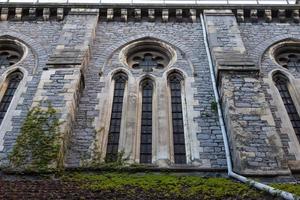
(161, 1)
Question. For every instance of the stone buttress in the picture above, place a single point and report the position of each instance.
(62, 80)
(256, 147)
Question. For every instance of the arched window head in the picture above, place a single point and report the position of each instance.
(148, 54)
(13, 81)
(11, 52)
(175, 82)
(116, 118)
(288, 55)
(281, 83)
(146, 122)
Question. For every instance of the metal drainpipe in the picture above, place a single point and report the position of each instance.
(231, 173)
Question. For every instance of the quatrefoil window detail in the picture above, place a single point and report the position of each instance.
(288, 56)
(10, 53)
(148, 55)
(8, 58)
(148, 61)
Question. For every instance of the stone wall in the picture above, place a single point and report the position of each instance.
(260, 39)
(79, 51)
(187, 40)
(256, 147)
(40, 38)
(53, 67)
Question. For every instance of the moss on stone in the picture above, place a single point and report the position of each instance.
(292, 188)
(164, 184)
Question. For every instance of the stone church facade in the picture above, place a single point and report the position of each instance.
(137, 82)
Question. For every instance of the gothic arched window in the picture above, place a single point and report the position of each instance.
(175, 81)
(281, 83)
(116, 118)
(146, 123)
(13, 81)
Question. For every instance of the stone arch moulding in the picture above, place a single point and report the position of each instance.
(263, 47)
(122, 43)
(6, 124)
(105, 101)
(37, 49)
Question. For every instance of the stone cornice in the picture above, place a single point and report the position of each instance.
(150, 12)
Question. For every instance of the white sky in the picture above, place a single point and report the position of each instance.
(159, 1)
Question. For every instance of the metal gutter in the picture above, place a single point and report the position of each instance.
(231, 173)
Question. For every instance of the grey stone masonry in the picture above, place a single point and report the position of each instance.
(261, 39)
(40, 38)
(255, 144)
(225, 41)
(187, 40)
(62, 79)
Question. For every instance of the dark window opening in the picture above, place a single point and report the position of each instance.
(177, 120)
(146, 126)
(282, 86)
(116, 118)
(13, 82)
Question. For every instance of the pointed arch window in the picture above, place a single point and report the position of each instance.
(281, 83)
(13, 81)
(116, 118)
(146, 122)
(175, 81)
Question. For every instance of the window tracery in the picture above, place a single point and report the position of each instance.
(10, 53)
(147, 55)
(288, 56)
(147, 60)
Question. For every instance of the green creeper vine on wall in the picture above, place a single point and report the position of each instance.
(37, 147)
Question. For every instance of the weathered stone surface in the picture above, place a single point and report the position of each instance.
(256, 146)
(189, 45)
(259, 40)
(77, 50)
(41, 39)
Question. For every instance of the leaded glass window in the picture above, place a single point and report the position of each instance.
(116, 118)
(146, 123)
(12, 85)
(177, 120)
(282, 85)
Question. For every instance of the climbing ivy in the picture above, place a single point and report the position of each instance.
(37, 147)
(214, 106)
